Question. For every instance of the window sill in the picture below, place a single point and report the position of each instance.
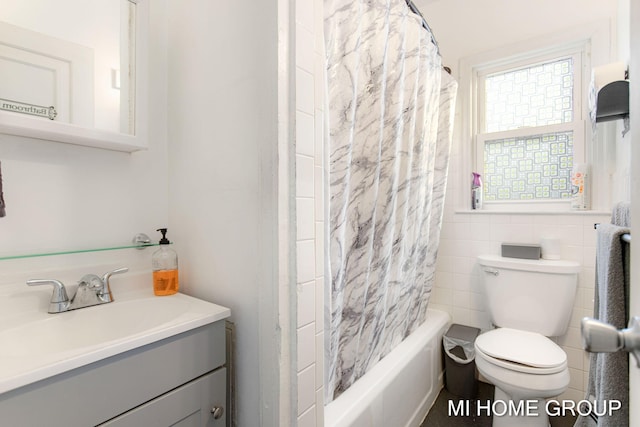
(531, 212)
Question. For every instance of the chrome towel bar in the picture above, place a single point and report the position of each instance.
(626, 237)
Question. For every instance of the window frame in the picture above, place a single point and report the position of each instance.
(579, 53)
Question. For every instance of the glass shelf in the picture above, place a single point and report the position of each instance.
(77, 251)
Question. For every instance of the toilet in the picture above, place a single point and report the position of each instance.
(528, 301)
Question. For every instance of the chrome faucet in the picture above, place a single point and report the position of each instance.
(92, 290)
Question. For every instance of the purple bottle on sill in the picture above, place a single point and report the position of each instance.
(476, 191)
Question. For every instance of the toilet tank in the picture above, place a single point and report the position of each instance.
(531, 295)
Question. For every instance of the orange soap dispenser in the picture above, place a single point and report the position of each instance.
(165, 268)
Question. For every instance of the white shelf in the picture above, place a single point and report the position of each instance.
(39, 128)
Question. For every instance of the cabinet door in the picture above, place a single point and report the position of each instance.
(187, 406)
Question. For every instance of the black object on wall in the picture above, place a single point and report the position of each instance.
(613, 101)
(2, 206)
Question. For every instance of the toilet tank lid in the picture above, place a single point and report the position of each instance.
(539, 265)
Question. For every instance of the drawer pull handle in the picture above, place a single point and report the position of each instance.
(218, 412)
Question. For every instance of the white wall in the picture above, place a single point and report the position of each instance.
(463, 29)
(223, 141)
(62, 196)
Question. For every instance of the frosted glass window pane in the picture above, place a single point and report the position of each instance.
(528, 168)
(534, 96)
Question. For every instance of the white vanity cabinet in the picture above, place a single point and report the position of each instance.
(177, 381)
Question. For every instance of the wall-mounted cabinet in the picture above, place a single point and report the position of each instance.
(75, 81)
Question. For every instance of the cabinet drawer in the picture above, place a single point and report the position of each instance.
(188, 406)
(98, 392)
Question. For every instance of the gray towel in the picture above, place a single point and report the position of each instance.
(621, 214)
(609, 372)
(586, 421)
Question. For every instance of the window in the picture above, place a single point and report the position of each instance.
(528, 126)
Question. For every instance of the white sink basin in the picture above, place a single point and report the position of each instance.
(90, 326)
(36, 345)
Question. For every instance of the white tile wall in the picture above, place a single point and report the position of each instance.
(309, 211)
(306, 346)
(306, 261)
(308, 419)
(306, 299)
(458, 289)
(305, 133)
(304, 176)
(306, 389)
(305, 226)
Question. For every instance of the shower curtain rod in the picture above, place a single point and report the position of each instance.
(415, 10)
(426, 26)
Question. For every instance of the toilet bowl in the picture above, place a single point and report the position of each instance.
(528, 301)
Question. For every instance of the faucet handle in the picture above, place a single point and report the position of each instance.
(105, 293)
(59, 298)
(107, 276)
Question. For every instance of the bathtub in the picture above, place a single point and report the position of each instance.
(401, 388)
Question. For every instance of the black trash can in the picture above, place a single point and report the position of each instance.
(459, 360)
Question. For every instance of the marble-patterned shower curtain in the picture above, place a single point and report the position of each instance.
(390, 121)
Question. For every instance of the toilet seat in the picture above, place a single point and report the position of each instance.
(521, 351)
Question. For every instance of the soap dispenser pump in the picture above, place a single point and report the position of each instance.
(165, 268)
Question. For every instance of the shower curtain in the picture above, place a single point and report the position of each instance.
(390, 118)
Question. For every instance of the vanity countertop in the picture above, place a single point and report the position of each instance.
(36, 345)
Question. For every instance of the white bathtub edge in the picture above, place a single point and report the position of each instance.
(364, 403)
